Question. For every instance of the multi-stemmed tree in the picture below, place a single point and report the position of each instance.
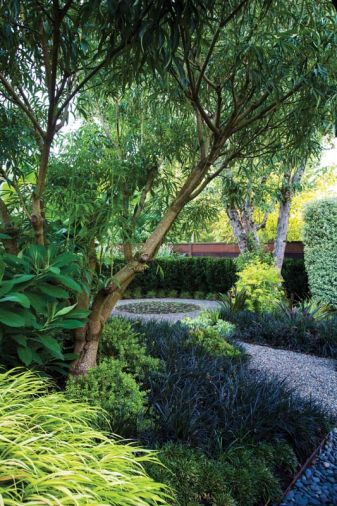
(238, 76)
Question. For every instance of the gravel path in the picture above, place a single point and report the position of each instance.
(312, 377)
(170, 317)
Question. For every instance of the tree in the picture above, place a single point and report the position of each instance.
(270, 65)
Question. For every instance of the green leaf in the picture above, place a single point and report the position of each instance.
(65, 259)
(52, 345)
(65, 310)
(11, 319)
(20, 298)
(38, 302)
(67, 324)
(6, 287)
(22, 279)
(69, 283)
(20, 339)
(54, 291)
(25, 355)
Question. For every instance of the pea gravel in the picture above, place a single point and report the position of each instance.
(312, 377)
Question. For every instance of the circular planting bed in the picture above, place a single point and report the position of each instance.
(158, 307)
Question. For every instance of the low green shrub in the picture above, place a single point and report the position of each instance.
(116, 392)
(151, 294)
(173, 294)
(241, 476)
(210, 341)
(262, 284)
(212, 296)
(209, 332)
(199, 295)
(137, 293)
(185, 295)
(50, 454)
(120, 341)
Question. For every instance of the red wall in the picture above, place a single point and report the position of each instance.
(219, 249)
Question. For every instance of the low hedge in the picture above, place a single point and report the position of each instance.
(208, 275)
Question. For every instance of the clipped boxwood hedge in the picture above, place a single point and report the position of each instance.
(320, 248)
(208, 275)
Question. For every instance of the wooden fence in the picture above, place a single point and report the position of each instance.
(219, 249)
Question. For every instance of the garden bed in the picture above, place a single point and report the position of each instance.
(227, 435)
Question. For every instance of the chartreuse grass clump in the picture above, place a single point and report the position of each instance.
(50, 455)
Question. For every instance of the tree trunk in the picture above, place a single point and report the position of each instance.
(238, 229)
(281, 233)
(37, 218)
(290, 183)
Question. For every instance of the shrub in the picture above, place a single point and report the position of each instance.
(116, 392)
(295, 278)
(242, 476)
(151, 294)
(173, 294)
(161, 293)
(49, 453)
(320, 251)
(119, 340)
(210, 341)
(35, 289)
(207, 332)
(185, 295)
(262, 284)
(137, 293)
(199, 295)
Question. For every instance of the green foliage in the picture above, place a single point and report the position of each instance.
(209, 333)
(207, 275)
(320, 252)
(38, 291)
(185, 274)
(234, 300)
(295, 278)
(116, 392)
(50, 454)
(120, 341)
(211, 341)
(296, 328)
(241, 476)
(262, 284)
